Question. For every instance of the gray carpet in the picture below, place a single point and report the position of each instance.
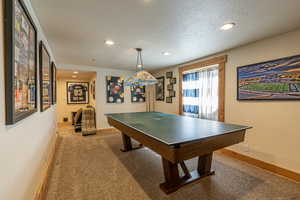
(93, 168)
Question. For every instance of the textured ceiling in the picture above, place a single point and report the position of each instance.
(81, 75)
(189, 29)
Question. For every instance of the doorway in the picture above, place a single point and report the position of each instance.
(75, 90)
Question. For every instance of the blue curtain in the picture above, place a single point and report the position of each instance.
(200, 93)
(191, 93)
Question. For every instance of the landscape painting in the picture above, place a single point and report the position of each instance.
(273, 80)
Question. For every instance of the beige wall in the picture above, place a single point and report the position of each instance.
(24, 145)
(275, 137)
(101, 106)
(63, 108)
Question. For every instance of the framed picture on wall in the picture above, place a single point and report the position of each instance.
(272, 80)
(170, 87)
(169, 74)
(171, 93)
(77, 92)
(160, 89)
(138, 94)
(173, 81)
(114, 89)
(45, 78)
(53, 78)
(168, 99)
(20, 62)
(93, 89)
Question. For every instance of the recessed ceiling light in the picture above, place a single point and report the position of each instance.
(227, 26)
(74, 76)
(166, 53)
(109, 42)
(75, 72)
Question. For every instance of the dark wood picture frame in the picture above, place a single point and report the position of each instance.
(160, 89)
(168, 99)
(87, 90)
(169, 74)
(44, 103)
(170, 87)
(172, 93)
(173, 81)
(10, 44)
(54, 83)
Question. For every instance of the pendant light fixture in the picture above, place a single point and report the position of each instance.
(141, 77)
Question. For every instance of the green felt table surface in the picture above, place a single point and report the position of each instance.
(174, 129)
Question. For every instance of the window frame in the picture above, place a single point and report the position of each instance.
(221, 61)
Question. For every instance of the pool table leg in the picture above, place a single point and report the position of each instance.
(204, 164)
(127, 145)
(171, 172)
(172, 179)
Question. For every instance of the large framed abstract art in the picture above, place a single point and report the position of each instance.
(53, 78)
(114, 89)
(45, 78)
(77, 92)
(20, 62)
(272, 80)
(138, 94)
(160, 89)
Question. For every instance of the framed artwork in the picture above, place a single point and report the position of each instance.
(173, 81)
(168, 99)
(53, 78)
(169, 74)
(77, 92)
(138, 94)
(160, 89)
(114, 89)
(93, 89)
(272, 80)
(171, 93)
(45, 78)
(170, 87)
(20, 62)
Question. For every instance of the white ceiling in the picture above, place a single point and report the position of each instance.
(81, 75)
(189, 29)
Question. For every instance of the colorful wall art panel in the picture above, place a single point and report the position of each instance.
(114, 89)
(273, 80)
(138, 94)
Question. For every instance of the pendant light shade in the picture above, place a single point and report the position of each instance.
(141, 77)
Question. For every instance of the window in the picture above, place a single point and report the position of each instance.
(202, 89)
(200, 93)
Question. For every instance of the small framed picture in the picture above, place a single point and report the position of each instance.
(169, 74)
(168, 99)
(173, 81)
(172, 93)
(170, 87)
